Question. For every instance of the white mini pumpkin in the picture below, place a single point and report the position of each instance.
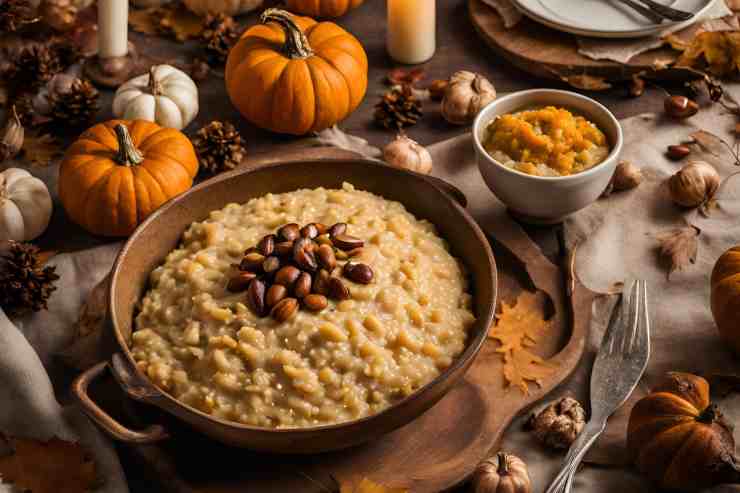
(166, 96)
(227, 7)
(25, 205)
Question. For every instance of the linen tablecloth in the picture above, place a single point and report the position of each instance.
(618, 244)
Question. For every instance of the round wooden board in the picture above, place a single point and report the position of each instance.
(434, 452)
(545, 52)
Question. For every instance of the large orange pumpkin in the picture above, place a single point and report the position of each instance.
(119, 171)
(725, 296)
(322, 8)
(295, 75)
(679, 439)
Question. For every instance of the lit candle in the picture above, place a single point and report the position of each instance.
(112, 28)
(411, 30)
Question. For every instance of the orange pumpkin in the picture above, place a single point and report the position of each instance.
(322, 8)
(725, 296)
(295, 75)
(679, 439)
(118, 172)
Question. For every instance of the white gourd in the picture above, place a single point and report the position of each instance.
(25, 205)
(166, 96)
(227, 7)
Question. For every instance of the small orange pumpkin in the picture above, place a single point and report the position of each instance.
(725, 296)
(119, 171)
(322, 8)
(295, 75)
(679, 439)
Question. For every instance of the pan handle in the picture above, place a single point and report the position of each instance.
(153, 433)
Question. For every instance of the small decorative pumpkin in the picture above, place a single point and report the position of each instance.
(226, 7)
(679, 439)
(322, 8)
(25, 205)
(165, 95)
(119, 171)
(501, 473)
(725, 296)
(295, 75)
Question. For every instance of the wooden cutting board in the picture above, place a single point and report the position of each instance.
(436, 451)
(545, 52)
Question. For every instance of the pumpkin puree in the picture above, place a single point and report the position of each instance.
(534, 140)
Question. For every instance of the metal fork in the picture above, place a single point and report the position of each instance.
(656, 12)
(620, 362)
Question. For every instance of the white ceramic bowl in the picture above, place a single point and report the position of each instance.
(543, 199)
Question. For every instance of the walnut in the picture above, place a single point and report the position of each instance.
(558, 424)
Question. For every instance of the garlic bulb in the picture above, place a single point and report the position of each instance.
(695, 184)
(408, 154)
(465, 95)
(11, 141)
(626, 176)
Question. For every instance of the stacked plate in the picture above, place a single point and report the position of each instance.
(605, 18)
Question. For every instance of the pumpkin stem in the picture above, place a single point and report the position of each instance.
(710, 414)
(155, 86)
(128, 154)
(296, 43)
(503, 464)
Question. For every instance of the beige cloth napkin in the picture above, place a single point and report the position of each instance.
(617, 50)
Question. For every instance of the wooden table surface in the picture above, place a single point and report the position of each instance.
(458, 48)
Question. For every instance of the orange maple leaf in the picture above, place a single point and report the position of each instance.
(518, 328)
(717, 52)
(55, 466)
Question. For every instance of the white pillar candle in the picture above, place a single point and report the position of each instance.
(112, 28)
(411, 30)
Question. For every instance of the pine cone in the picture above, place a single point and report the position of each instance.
(76, 106)
(25, 284)
(398, 108)
(14, 14)
(38, 63)
(219, 146)
(220, 32)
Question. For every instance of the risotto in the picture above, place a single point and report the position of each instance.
(546, 142)
(200, 338)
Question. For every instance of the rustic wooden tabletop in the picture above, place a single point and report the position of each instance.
(458, 48)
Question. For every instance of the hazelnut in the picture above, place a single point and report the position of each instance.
(256, 297)
(275, 294)
(678, 152)
(326, 257)
(303, 254)
(321, 282)
(680, 107)
(240, 282)
(284, 310)
(315, 302)
(337, 229)
(346, 242)
(287, 276)
(266, 245)
(310, 231)
(252, 262)
(302, 285)
(359, 273)
(337, 289)
(289, 232)
(271, 264)
(284, 249)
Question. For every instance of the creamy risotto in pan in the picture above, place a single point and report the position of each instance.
(235, 326)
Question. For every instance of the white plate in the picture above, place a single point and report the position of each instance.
(604, 18)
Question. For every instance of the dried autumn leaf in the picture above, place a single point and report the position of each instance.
(180, 23)
(85, 349)
(365, 485)
(586, 82)
(717, 52)
(144, 21)
(171, 19)
(401, 76)
(336, 137)
(41, 149)
(679, 247)
(519, 328)
(55, 466)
